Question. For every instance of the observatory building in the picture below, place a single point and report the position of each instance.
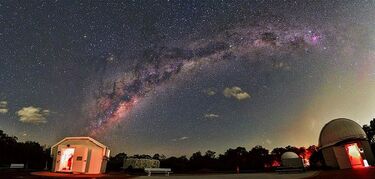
(134, 163)
(292, 160)
(344, 145)
(79, 155)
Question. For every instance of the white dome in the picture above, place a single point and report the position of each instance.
(339, 130)
(287, 155)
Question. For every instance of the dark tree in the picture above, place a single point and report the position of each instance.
(316, 160)
(176, 164)
(156, 157)
(32, 154)
(370, 132)
(234, 158)
(277, 152)
(115, 163)
(259, 158)
(211, 162)
(196, 161)
(143, 156)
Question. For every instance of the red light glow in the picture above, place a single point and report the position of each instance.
(354, 155)
(66, 160)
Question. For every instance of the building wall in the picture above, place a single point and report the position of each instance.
(105, 160)
(80, 165)
(337, 157)
(342, 157)
(54, 157)
(292, 162)
(88, 161)
(329, 157)
(368, 152)
(94, 158)
(104, 166)
(141, 163)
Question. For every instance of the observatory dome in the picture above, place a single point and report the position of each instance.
(288, 155)
(339, 130)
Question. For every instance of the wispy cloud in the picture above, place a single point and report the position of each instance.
(3, 107)
(281, 66)
(180, 139)
(33, 115)
(3, 111)
(236, 92)
(210, 91)
(183, 138)
(211, 116)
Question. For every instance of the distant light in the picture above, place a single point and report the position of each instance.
(365, 163)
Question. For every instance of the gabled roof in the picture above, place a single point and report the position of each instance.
(80, 138)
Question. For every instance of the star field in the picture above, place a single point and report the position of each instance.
(175, 77)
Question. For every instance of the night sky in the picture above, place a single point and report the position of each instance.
(175, 77)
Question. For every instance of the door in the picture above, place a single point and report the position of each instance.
(354, 155)
(65, 159)
(80, 159)
(342, 157)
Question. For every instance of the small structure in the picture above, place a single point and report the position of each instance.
(79, 155)
(17, 166)
(344, 144)
(166, 171)
(292, 160)
(134, 163)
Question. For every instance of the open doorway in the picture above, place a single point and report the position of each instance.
(66, 160)
(354, 155)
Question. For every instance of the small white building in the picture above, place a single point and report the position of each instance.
(291, 159)
(79, 155)
(344, 144)
(135, 163)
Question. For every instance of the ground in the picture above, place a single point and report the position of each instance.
(238, 176)
(17, 174)
(330, 174)
(359, 173)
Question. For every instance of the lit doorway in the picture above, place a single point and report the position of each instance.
(66, 160)
(354, 155)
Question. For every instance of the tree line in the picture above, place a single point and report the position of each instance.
(35, 156)
(370, 132)
(30, 153)
(256, 159)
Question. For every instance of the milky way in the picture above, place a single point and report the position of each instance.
(113, 102)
